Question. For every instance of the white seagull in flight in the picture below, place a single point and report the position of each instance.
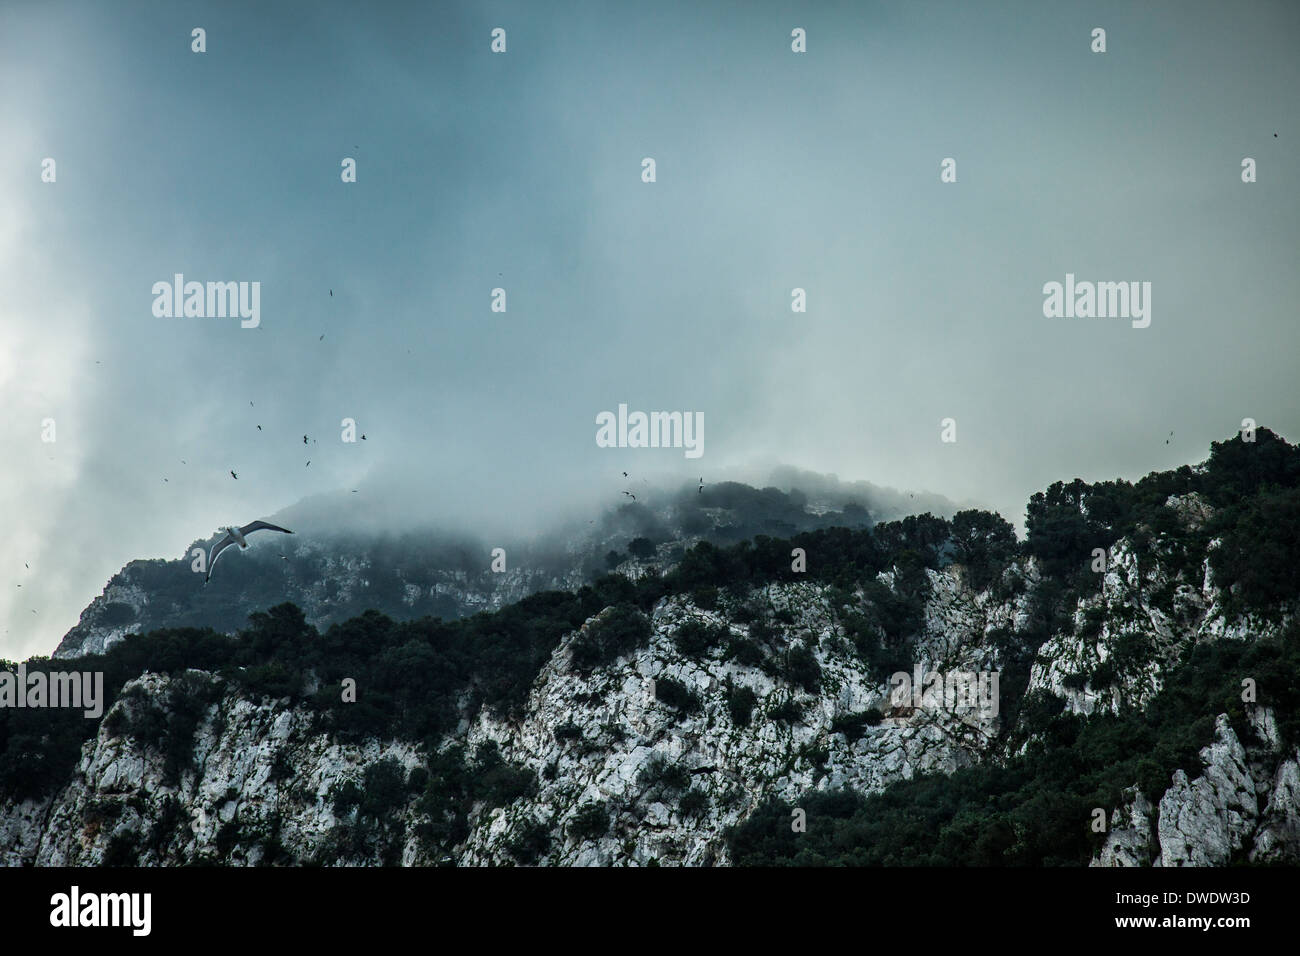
(236, 536)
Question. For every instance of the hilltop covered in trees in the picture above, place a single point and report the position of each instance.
(421, 677)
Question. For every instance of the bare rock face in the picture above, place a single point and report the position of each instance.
(1129, 840)
(113, 615)
(22, 824)
(622, 744)
(1205, 821)
(1192, 509)
(1277, 839)
(259, 774)
(1121, 616)
(670, 778)
(1241, 807)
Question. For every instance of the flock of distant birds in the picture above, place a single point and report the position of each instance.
(256, 525)
(235, 535)
(700, 489)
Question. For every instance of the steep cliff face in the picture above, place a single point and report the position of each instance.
(625, 773)
(1240, 807)
(669, 777)
(1147, 612)
(258, 789)
(657, 718)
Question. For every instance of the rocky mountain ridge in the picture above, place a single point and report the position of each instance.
(333, 577)
(687, 717)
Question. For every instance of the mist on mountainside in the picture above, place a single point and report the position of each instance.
(347, 556)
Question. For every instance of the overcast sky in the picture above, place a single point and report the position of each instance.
(522, 170)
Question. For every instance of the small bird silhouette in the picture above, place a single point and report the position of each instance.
(308, 465)
(331, 293)
(304, 439)
(625, 474)
(363, 437)
(321, 339)
(233, 475)
(259, 428)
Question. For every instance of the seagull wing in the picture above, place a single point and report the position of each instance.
(217, 548)
(262, 526)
